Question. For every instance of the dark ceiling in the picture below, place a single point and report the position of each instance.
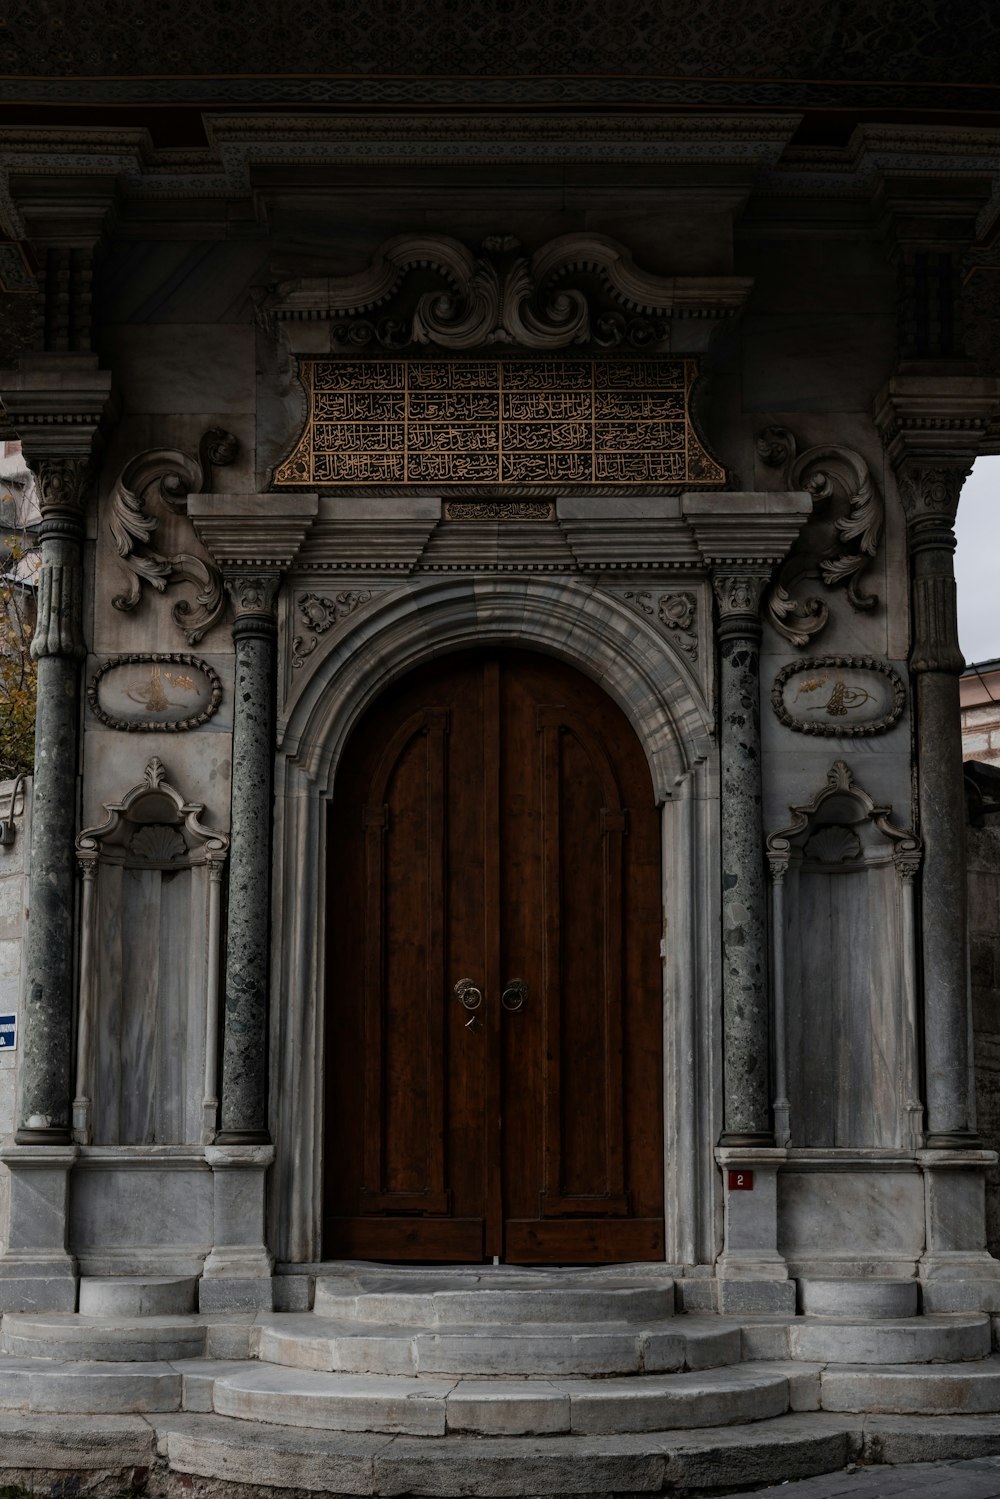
(94, 61)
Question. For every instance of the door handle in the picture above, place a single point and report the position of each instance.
(470, 996)
(515, 995)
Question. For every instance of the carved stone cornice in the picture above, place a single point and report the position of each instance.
(745, 528)
(937, 419)
(254, 538)
(577, 289)
(253, 530)
(56, 403)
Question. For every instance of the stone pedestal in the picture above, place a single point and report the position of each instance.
(752, 1274)
(237, 1273)
(956, 1272)
(37, 1274)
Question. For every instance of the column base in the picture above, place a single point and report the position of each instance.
(27, 1135)
(956, 1272)
(242, 1137)
(237, 1279)
(953, 1140)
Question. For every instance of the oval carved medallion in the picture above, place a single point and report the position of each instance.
(838, 696)
(143, 693)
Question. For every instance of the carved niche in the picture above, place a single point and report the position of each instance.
(147, 1039)
(844, 986)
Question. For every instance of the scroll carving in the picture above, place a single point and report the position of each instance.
(175, 475)
(575, 289)
(835, 547)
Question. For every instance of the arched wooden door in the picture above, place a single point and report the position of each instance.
(494, 823)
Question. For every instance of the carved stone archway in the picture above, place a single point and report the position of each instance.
(600, 635)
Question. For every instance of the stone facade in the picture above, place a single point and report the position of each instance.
(231, 579)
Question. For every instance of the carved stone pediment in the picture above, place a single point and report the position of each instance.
(578, 289)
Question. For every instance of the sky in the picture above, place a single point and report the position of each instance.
(977, 562)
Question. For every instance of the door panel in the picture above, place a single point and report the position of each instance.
(494, 820)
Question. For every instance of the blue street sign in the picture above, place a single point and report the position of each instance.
(8, 1032)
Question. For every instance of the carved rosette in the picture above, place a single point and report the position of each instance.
(677, 612)
(319, 615)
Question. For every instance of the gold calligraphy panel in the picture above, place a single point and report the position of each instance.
(499, 421)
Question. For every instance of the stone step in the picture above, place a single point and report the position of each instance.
(304, 1340)
(942, 1338)
(138, 1296)
(704, 1460)
(428, 1406)
(874, 1298)
(493, 1299)
(34, 1384)
(937, 1389)
(68, 1335)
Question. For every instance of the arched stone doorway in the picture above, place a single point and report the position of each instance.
(575, 622)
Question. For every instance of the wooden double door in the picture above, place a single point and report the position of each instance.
(494, 1012)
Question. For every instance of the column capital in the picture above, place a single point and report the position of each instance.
(738, 591)
(930, 491)
(254, 594)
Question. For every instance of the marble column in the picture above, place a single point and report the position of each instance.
(244, 1047)
(930, 494)
(47, 1019)
(745, 1001)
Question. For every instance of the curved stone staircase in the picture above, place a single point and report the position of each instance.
(509, 1382)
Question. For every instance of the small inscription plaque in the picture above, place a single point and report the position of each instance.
(838, 696)
(8, 1032)
(741, 1181)
(156, 692)
(499, 421)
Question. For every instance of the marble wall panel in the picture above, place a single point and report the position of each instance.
(131, 1207)
(834, 1214)
(181, 281)
(178, 368)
